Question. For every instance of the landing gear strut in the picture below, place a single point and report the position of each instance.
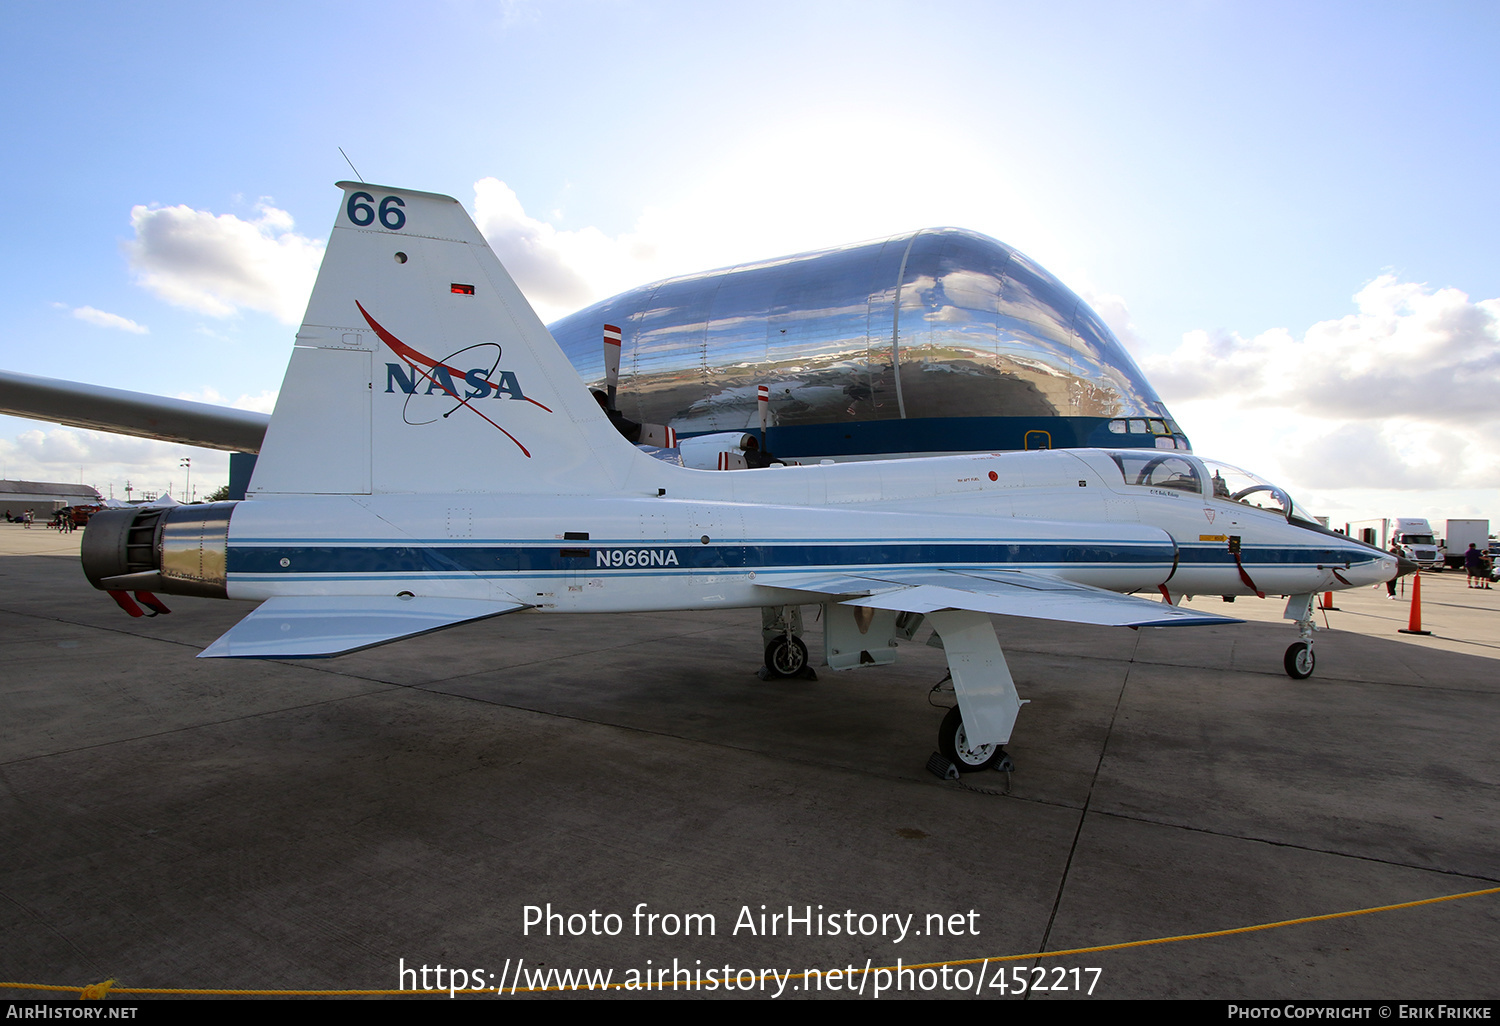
(974, 732)
(1299, 659)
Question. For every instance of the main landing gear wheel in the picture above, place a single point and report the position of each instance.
(1299, 661)
(956, 748)
(786, 657)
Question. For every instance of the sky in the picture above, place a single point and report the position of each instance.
(1287, 211)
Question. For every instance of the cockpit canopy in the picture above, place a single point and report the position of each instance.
(1230, 482)
(1149, 469)
(1210, 478)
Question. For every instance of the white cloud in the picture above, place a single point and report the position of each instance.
(562, 271)
(540, 258)
(1359, 412)
(106, 460)
(791, 189)
(1116, 316)
(109, 320)
(1408, 352)
(219, 264)
(264, 402)
(746, 207)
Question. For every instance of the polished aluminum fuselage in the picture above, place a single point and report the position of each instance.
(937, 341)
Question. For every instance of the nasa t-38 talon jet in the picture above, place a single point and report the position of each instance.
(433, 459)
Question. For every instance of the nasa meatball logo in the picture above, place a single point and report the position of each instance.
(436, 389)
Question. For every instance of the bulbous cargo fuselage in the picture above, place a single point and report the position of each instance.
(937, 341)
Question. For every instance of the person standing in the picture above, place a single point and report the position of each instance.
(1474, 565)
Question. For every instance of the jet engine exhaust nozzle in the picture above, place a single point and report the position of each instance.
(176, 550)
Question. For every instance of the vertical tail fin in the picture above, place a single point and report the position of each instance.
(420, 367)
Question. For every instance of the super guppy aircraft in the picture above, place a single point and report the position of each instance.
(937, 341)
(433, 459)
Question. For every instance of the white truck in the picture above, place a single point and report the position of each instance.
(1412, 534)
(1461, 534)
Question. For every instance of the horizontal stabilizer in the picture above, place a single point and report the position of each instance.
(1003, 592)
(330, 625)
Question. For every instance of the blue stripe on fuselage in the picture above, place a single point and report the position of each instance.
(266, 559)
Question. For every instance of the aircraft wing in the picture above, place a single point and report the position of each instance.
(1005, 592)
(329, 625)
(131, 413)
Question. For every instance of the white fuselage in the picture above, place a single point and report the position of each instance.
(724, 539)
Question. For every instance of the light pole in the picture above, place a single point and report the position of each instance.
(188, 487)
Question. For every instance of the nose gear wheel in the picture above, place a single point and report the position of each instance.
(1299, 660)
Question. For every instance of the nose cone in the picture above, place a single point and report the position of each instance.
(1403, 566)
(1373, 568)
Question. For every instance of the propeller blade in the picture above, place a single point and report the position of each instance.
(611, 362)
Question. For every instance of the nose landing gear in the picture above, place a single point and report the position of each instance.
(1299, 659)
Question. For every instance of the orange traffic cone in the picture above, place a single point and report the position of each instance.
(1328, 606)
(1414, 625)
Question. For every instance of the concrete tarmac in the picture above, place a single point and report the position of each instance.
(175, 822)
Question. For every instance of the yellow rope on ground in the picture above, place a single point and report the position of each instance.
(100, 990)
